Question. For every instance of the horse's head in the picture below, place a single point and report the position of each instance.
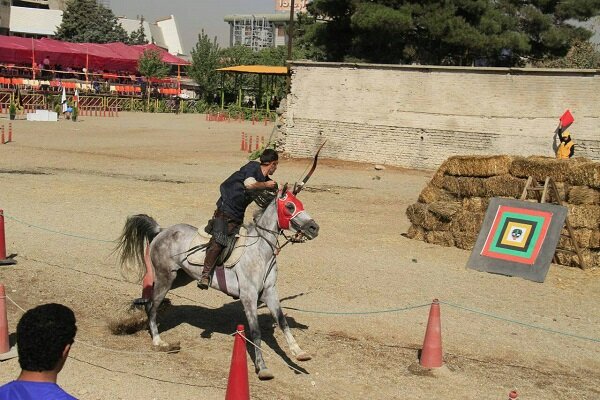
(292, 216)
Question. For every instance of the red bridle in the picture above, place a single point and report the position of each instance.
(288, 207)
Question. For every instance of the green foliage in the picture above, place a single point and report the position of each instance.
(255, 155)
(150, 64)
(453, 32)
(75, 113)
(88, 21)
(139, 36)
(205, 60)
(305, 38)
(12, 109)
(582, 55)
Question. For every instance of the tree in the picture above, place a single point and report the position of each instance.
(205, 61)
(138, 36)
(582, 55)
(304, 36)
(453, 32)
(151, 65)
(88, 21)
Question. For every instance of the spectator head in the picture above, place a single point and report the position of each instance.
(44, 337)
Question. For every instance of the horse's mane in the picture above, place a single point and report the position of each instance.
(259, 213)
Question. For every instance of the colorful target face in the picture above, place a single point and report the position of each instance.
(517, 234)
(518, 238)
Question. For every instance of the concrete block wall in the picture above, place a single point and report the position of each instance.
(418, 116)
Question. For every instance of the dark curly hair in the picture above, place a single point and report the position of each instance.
(268, 155)
(42, 334)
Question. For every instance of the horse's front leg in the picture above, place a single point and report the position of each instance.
(250, 308)
(271, 299)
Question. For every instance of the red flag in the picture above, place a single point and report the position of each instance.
(566, 120)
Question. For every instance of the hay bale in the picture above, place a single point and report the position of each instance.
(591, 258)
(444, 210)
(419, 215)
(464, 186)
(432, 193)
(416, 233)
(504, 186)
(442, 238)
(563, 190)
(478, 166)
(585, 174)
(466, 221)
(541, 167)
(583, 195)
(594, 240)
(475, 204)
(465, 240)
(584, 216)
(586, 238)
(583, 236)
(563, 258)
(437, 178)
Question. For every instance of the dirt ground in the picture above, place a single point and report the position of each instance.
(357, 297)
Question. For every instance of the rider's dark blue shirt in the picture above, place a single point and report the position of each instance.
(234, 197)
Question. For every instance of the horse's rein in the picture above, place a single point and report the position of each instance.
(298, 237)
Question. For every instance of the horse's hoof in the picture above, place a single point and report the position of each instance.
(167, 347)
(304, 356)
(265, 375)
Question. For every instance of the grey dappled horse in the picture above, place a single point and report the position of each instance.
(251, 280)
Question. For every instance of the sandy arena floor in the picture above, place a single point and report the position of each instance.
(351, 294)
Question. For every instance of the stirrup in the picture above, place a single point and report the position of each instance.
(204, 282)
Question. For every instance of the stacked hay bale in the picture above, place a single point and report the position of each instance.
(451, 208)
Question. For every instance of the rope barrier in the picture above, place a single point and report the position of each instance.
(57, 232)
(263, 350)
(596, 340)
(342, 313)
(358, 312)
(84, 343)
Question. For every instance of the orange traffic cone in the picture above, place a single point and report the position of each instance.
(6, 353)
(431, 354)
(4, 343)
(238, 387)
(3, 259)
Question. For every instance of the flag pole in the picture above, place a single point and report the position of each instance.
(33, 58)
(87, 63)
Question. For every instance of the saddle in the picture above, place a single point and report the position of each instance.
(231, 254)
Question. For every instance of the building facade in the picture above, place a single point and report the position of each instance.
(258, 31)
(41, 18)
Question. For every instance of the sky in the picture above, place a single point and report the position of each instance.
(192, 16)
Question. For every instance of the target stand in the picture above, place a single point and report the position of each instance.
(518, 238)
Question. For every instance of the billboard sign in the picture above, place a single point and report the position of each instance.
(284, 5)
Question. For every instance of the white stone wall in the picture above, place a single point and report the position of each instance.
(417, 116)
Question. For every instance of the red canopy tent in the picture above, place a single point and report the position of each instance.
(93, 56)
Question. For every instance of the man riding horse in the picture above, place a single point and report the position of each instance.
(236, 196)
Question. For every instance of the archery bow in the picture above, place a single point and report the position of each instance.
(300, 186)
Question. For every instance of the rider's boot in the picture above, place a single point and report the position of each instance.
(212, 253)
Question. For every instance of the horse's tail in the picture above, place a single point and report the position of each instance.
(138, 229)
